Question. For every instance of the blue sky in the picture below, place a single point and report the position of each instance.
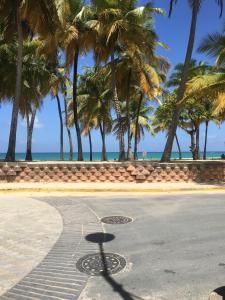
(174, 32)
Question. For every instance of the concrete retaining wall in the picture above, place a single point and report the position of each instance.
(209, 171)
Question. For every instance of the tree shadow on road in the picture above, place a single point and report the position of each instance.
(221, 292)
(100, 238)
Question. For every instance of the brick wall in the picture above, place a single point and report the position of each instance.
(209, 171)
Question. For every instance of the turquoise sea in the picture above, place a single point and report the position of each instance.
(111, 155)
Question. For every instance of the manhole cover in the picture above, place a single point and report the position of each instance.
(116, 220)
(97, 264)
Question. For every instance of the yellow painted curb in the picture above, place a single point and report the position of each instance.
(103, 190)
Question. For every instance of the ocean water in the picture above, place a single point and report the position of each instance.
(110, 155)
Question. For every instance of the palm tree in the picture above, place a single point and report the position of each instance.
(36, 77)
(61, 127)
(194, 112)
(79, 38)
(68, 126)
(163, 114)
(19, 17)
(195, 69)
(5, 12)
(141, 121)
(134, 70)
(30, 118)
(95, 106)
(140, 118)
(122, 25)
(208, 117)
(211, 85)
(191, 117)
(58, 84)
(195, 7)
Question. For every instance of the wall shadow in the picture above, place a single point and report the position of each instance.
(101, 238)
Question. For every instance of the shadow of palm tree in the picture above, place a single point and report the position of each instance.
(100, 238)
(220, 291)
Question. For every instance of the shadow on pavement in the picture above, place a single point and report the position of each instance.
(220, 291)
(100, 238)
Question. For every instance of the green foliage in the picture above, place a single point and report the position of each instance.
(144, 117)
(35, 75)
(193, 112)
(94, 100)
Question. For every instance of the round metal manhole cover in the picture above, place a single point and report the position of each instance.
(116, 220)
(98, 264)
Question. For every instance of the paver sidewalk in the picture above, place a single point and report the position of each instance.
(56, 277)
(28, 230)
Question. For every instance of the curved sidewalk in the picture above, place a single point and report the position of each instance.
(56, 276)
(28, 230)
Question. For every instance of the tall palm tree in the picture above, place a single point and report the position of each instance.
(68, 126)
(207, 118)
(15, 14)
(36, 85)
(134, 70)
(30, 118)
(195, 6)
(95, 105)
(195, 69)
(211, 86)
(163, 114)
(79, 38)
(140, 118)
(121, 25)
(35, 75)
(141, 121)
(59, 83)
(61, 127)
(19, 17)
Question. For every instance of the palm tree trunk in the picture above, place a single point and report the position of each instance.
(68, 130)
(129, 150)
(193, 144)
(102, 131)
(206, 139)
(136, 128)
(197, 142)
(10, 156)
(90, 144)
(30, 127)
(61, 128)
(118, 111)
(180, 93)
(178, 146)
(75, 105)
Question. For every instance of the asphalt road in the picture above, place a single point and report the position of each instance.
(174, 248)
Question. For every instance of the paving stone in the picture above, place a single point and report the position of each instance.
(56, 277)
